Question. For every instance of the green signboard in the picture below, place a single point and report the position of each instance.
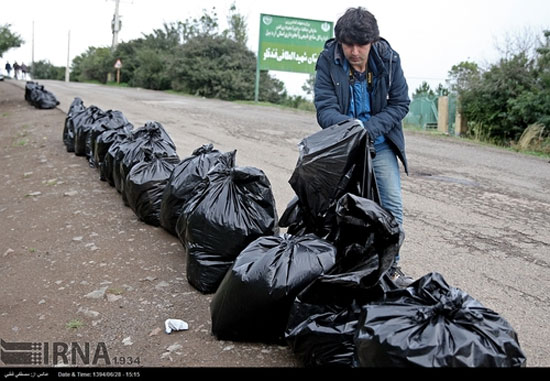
(291, 44)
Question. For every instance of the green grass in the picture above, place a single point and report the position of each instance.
(21, 142)
(114, 84)
(50, 182)
(115, 291)
(304, 107)
(74, 324)
(438, 134)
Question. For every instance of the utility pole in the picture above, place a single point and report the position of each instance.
(116, 24)
(32, 52)
(68, 57)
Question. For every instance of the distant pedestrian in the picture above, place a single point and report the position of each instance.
(16, 69)
(8, 68)
(24, 71)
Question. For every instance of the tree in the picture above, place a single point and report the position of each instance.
(166, 39)
(214, 67)
(423, 90)
(127, 52)
(206, 25)
(525, 41)
(189, 56)
(94, 65)
(441, 91)
(490, 101)
(271, 89)
(147, 60)
(463, 76)
(309, 86)
(534, 106)
(45, 70)
(8, 39)
(151, 69)
(237, 26)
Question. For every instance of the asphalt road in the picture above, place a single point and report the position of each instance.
(478, 215)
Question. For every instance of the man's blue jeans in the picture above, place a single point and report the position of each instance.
(388, 179)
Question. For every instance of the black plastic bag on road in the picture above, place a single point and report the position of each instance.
(431, 324)
(331, 163)
(103, 155)
(293, 218)
(321, 330)
(151, 137)
(113, 160)
(254, 298)
(123, 144)
(29, 88)
(181, 186)
(83, 124)
(145, 185)
(362, 224)
(324, 317)
(233, 207)
(39, 97)
(112, 120)
(154, 132)
(107, 169)
(76, 107)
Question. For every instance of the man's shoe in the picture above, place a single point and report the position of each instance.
(399, 278)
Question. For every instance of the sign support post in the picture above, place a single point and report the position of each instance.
(118, 66)
(257, 82)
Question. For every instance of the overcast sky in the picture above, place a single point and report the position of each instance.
(430, 35)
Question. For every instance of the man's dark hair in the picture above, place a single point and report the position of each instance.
(357, 26)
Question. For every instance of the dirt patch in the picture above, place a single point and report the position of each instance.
(77, 265)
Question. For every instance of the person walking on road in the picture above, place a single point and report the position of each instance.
(359, 76)
(24, 71)
(16, 69)
(8, 68)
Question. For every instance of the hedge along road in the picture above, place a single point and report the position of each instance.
(478, 215)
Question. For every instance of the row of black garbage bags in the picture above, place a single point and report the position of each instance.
(322, 286)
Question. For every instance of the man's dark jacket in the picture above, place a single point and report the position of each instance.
(389, 95)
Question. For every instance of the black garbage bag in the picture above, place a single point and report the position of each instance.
(145, 185)
(83, 124)
(293, 218)
(29, 88)
(150, 137)
(113, 119)
(254, 298)
(233, 207)
(431, 324)
(331, 163)
(181, 186)
(76, 107)
(362, 224)
(102, 152)
(154, 132)
(39, 97)
(323, 319)
(115, 156)
(107, 168)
